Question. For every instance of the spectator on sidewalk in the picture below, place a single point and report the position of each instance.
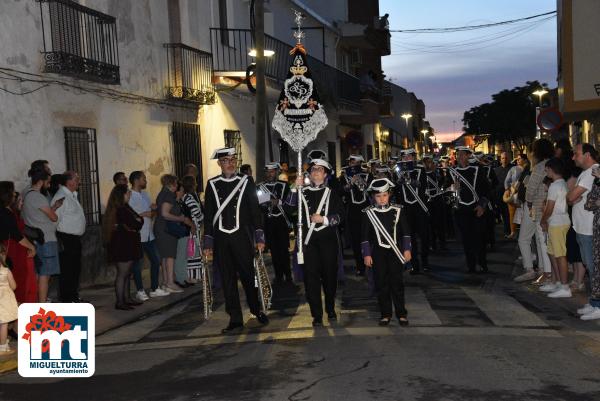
(180, 268)
(56, 180)
(191, 208)
(40, 165)
(40, 217)
(501, 173)
(141, 203)
(593, 205)
(168, 210)
(20, 251)
(585, 157)
(564, 151)
(535, 195)
(512, 183)
(70, 229)
(8, 302)
(121, 234)
(555, 222)
(120, 178)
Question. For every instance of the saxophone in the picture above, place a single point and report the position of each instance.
(261, 281)
(207, 295)
(456, 191)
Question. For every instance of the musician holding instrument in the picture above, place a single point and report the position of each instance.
(356, 199)
(232, 227)
(472, 188)
(277, 224)
(386, 248)
(322, 212)
(435, 203)
(410, 193)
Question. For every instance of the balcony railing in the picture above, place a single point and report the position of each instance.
(230, 48)
(190, 74)
(79, 41)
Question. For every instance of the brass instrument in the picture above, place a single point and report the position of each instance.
(456, 190)
(261, 281)
(207, 295)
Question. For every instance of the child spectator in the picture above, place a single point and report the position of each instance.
(8, 302)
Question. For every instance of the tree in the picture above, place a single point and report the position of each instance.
(510, 117)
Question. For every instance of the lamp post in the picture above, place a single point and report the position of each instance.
(539, 93)
(406, 117)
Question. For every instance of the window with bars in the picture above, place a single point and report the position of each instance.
(186, 149)
(81, 151)
(233, 139)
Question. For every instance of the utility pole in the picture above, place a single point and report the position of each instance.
(261, 92)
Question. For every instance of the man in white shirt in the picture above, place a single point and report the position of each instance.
(586, 158)
(70, 229)
(141, 203)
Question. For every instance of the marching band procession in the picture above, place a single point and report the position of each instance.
(393, 214)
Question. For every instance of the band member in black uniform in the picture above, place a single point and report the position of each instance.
(435, 204)
(356, 183)
(277, 224)
(322, 212)
(374, 165)
(490, 214)
(232, 225)
(410, 193)
(472, 191)
(386, 247)
(448, 195)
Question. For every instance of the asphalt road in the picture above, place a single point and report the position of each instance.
(470, 338)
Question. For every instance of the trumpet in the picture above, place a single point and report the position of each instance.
(261, 281)
(207, 295)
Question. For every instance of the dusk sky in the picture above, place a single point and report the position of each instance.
(460, 77)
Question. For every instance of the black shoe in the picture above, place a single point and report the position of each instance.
(317, 322)
(426, 268)
(360, 273)
(123, 307)
(403, 321)
(189, 284)
(182, 285)
(385, 321)
(233, 327)
(332, 315)
(262, 318)
(414, 272)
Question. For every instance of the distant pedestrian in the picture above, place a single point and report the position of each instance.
(121, 234)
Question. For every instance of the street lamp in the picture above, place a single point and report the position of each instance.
(406, 117)
(540, 93)
(266, 53)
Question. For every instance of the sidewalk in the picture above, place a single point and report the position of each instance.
(108, 318)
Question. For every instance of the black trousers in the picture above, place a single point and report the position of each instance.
(70, 266)
(503, 209)
(437, 221)
(419, 234)
(472, 231)
(389, 283)
(354, 224)
(278, 241)
(234, 254)
(490, 224)
(320, 270)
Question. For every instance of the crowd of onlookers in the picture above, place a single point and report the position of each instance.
(553, 196)
(42, 226)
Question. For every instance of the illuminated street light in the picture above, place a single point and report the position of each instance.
(540, 93)
(267, 53)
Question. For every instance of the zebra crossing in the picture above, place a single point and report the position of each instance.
(433, 310)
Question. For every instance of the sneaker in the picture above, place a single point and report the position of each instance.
(174, 289)
(5, 350)
(587, 308)
(561, 292)
(159, 292)
(527, 276)
(141, 296)
(550, 287)
(576, 287)
(592, 315)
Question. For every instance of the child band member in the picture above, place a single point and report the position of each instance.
(386, 247)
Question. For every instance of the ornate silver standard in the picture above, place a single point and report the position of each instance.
(262, 282)
(299, 116)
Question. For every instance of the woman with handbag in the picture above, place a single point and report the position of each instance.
(168, 230)
(121, 232)
(188, 261)
(512, 183)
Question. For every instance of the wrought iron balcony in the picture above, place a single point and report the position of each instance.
(190, 74)
(230, 48)
(79, 41)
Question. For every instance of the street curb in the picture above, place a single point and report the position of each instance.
(8, 366)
